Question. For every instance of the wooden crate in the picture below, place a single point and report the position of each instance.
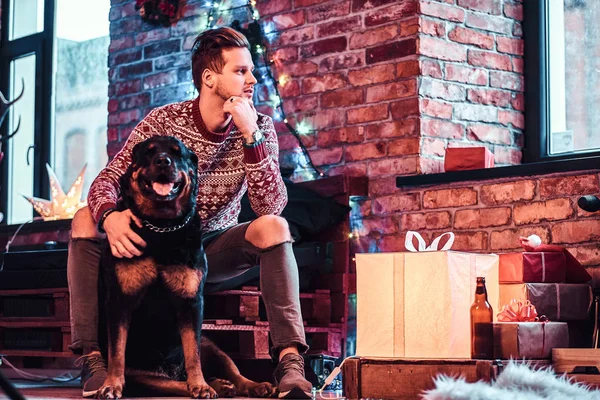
(402, 378)
(406, 378)
(246, 305)
(567, 360)
(27, 338)
(35, 304)
(252, 340)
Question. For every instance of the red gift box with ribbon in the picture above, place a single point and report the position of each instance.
(533, 267)
(521, 333)
(574, 271)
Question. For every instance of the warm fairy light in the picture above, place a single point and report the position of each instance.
(275, 100)
(283, 79)
(303, 128)
(267, 31)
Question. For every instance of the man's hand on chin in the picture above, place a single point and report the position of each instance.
(243, 113)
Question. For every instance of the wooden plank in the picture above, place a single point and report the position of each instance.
(36, 353)
(253, 344)
(29, 292)
(341, 256)
(407, 381)
(485, 370)
(32, 323)
(588, 379)
(566, 360)
(351, 378)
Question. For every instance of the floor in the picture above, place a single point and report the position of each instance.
(49, 391)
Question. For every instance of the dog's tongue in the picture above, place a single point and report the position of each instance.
(162, 189)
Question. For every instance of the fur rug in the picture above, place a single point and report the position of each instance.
(516, 382)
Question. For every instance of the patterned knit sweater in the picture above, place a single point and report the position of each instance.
(226, 168)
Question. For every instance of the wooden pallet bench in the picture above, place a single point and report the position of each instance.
(246, 305)
(35, 303)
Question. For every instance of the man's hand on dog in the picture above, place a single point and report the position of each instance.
(122, 238)
(244, 114)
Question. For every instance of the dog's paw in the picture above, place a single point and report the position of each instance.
(257, 389)
(199, 389)
(111, 389)
(224, 388)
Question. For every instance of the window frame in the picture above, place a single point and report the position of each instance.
(537, 86)
(536, 158)
(42, 45)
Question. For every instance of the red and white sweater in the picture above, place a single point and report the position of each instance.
(226, 168)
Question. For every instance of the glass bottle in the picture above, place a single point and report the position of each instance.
(482, 318)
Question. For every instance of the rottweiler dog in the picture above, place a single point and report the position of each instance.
(154, 303)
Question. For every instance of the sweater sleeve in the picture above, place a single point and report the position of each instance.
(104, 191)
(266, 190)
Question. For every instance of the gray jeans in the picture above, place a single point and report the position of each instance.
(229, 255)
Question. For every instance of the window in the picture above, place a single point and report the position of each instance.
(62, 58)
(562, 58)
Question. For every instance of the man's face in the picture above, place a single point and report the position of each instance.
(236, 78)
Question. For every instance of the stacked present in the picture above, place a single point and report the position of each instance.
(416, 304)
(543, 280)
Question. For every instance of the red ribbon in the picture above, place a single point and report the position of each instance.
(520, 311)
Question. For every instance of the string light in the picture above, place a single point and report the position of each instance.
(258, 33)
(283, 79)
(303, 128)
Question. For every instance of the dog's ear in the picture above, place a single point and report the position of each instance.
(136, 153)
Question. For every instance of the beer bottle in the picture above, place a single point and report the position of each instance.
(482, 317)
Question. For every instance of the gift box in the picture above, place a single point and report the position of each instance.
(529, 340)
(533, 267)
(557, 301)
(417, 304)
(466, 158)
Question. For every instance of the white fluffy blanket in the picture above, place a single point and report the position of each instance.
(516, 382)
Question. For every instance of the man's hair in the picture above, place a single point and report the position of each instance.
(207, 51)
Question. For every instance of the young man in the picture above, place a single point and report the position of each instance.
(237, 151)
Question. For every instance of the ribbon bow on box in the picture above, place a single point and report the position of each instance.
(410, 235)
(520, 311)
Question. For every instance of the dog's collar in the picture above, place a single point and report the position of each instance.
(166, 229)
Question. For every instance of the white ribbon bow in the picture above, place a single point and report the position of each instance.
(408, 242)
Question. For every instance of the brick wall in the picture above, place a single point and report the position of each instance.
(472, 82)
(387, 85)
(488, 216)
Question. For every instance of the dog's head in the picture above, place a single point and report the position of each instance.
(162, 179)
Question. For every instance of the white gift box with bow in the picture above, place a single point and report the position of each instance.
(416, 304)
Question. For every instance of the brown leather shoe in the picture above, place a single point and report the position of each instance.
(290, 380)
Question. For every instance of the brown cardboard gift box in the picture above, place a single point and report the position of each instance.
(557, 301)
(529, 340)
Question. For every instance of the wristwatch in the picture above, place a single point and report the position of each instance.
(256, 138)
